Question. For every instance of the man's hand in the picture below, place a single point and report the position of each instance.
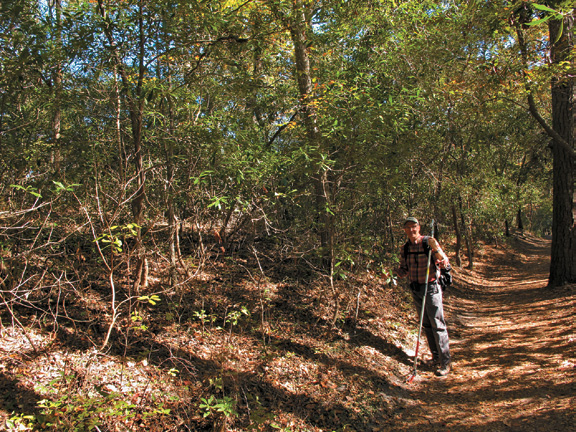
(441, 263)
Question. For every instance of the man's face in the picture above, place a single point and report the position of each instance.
(412, 230)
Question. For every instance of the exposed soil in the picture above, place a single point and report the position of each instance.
(284, 367)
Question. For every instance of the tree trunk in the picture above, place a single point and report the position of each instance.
(257, 74)
(392, 237)
(458, 245)
(520, 223)
(135, 104)
(468, 235)
(563, 258)
(136, 113)
(298, 32)
(173, 241)
(56, 83)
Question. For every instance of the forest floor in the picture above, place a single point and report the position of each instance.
(254, 351)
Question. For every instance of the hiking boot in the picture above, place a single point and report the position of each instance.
(443, 370)
(431, 364)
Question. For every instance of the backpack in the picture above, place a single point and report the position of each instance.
(445, 279)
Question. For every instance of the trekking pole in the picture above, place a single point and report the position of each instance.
(415, 371)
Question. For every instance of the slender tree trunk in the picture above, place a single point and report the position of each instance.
(119, 135)
(298, 32)
(56, 83)
(468, 235)
(173, 241)
(519, 182)
(135, 104)
(436, 212)
(136, 115)
(390, 225)
(519, 221)
(458, 246)
(257, 69)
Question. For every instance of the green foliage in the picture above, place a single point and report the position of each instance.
(60, 187)
(215, 407)
(233, 317)
(28, 189)
(204, 317)
(137, 319)
(72, 408)
(82, 413)
(399, 113)
(114, 239)
(152, 299)
(20, 422)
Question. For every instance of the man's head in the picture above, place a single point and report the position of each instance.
(412, 228)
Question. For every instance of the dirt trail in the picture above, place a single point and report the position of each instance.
(513, 343)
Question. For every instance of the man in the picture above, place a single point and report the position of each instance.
(413, 264)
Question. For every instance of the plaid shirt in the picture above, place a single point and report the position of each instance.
(414, 265)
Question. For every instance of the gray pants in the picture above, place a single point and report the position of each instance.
(433, 322)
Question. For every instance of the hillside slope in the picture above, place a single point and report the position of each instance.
(249, 345)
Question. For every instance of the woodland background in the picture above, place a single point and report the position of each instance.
(156, 153)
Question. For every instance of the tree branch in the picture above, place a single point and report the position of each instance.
(280, 129)
(532, 108)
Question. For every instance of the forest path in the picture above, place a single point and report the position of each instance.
(513, 346)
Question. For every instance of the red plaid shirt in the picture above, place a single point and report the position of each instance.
(414, 265)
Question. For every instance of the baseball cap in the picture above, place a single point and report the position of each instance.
(411, 219)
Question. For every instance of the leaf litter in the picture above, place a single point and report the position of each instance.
(285, 367)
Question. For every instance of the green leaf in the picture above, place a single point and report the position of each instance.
(61, 187)
(540, 21)
(153, 299)
(28, 189)
(544, 8)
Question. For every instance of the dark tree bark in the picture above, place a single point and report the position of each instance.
(458, 246)
(563, 259)
(519, 221)
(468, 236)
(173, 240)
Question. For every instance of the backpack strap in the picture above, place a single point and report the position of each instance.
(425, 245)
